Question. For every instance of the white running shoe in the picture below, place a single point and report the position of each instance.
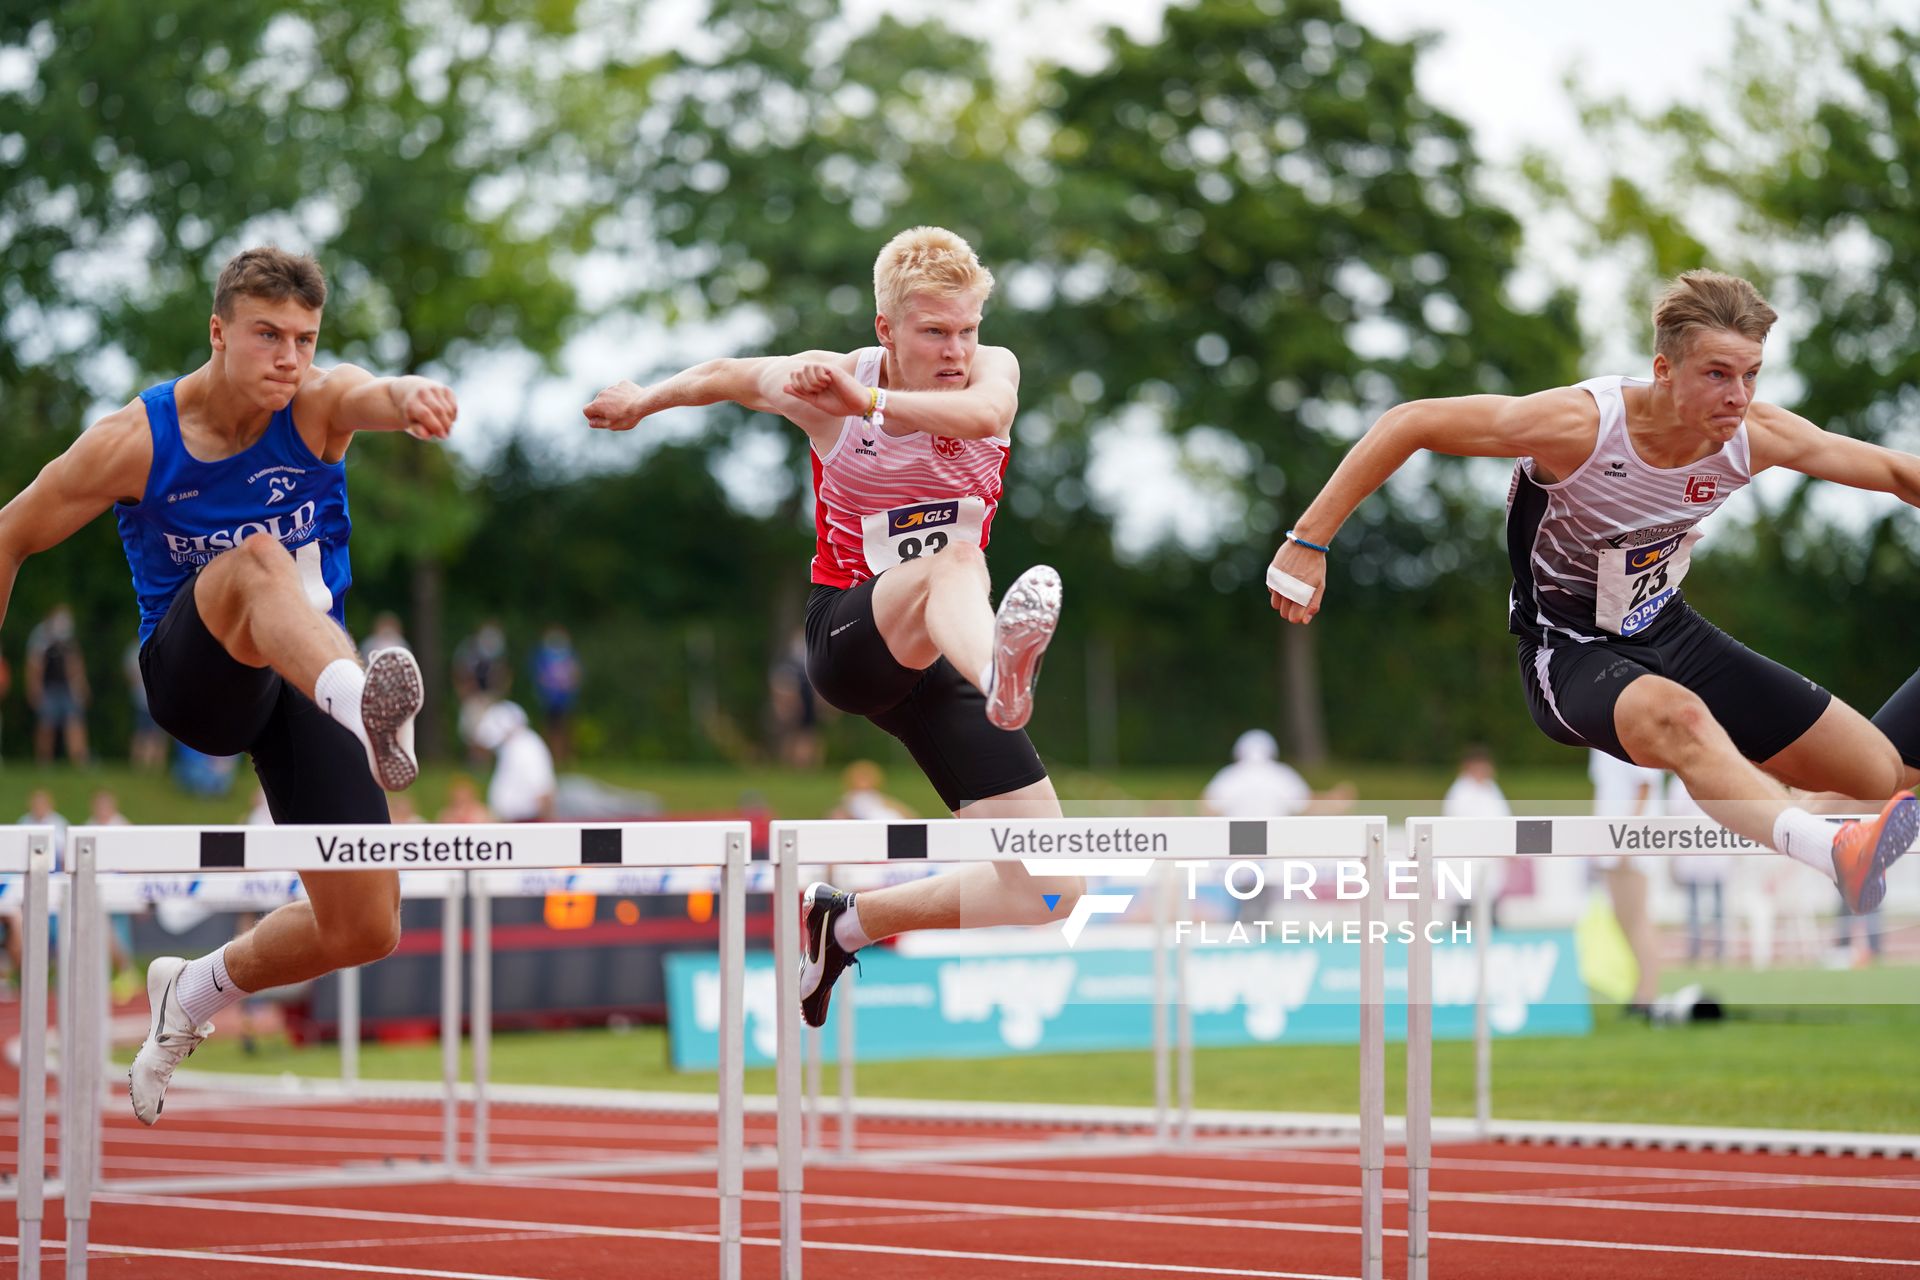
(391, 700)
(169, 1040)
(1022, 628)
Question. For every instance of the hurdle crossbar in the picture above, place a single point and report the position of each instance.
(722, 845)
(1482, 838)
(1071, 846)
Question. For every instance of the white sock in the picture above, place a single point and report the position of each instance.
(1806, 837)
(986, 680)
(204, 989)
(337, 692)
(847, 931)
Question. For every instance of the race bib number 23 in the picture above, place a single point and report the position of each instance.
(1636, 583)
(894, 537)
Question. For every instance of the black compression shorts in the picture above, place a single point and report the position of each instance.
(1763, 706)
(936, 713)
(311, 767)
(1900, 720)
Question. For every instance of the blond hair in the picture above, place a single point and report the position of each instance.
(1707, 300)
(272, 274)
(926, 260)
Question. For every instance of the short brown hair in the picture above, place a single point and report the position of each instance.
(273, 274)
(1707, 300)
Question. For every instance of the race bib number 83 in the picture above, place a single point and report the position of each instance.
(894, 537)
(1636, 583)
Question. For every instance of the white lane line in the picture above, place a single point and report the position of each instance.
(1016, 1211)
(107, 1252)
(1464, 1165)
(643, 1233)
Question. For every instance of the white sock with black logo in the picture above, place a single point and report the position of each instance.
(204, 989)
(847, 931)
(1806, 837)
(338, 690)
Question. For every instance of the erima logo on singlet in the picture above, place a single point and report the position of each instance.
(1618, 470)
(198, 548)
(930, 516)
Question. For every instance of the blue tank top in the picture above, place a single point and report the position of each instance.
(193, 510)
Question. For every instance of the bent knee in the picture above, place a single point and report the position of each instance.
(364, 943)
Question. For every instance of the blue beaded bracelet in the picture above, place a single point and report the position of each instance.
(1311, 546)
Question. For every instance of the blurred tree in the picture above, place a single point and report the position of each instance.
(1265, 237)
(430, 155)
(1802, 174)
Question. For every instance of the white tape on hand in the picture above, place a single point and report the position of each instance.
(1289, 586)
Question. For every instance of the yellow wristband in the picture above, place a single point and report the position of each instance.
(873, 401)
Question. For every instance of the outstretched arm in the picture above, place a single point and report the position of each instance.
(1555, 426)
(756, 382)
(1785, 439)
(351, 399)
(107, 464)
(982, 409)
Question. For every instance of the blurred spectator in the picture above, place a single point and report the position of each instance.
(1475, 794)
(463, 802)
(41, 813)
(481, 677)
(556, 682)
(148, 752)
(1704, 877)
(1258, 785)
(104, 811)
(386, 634)
(523, 782)
(794, 709)
(203, 775)
(57, 687)
(1622, 789)
(400, 808)
(863, 800)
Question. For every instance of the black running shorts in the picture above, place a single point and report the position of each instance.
(936, 713)
(1763, 706)
(311, 767)
(1900, 720)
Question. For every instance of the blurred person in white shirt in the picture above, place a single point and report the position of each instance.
(523, 783)
(1475, 794)
(1624, 790)
(1703, 876)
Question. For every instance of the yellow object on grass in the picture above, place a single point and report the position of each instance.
(1607, 964)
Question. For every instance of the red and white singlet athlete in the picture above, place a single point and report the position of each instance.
(910, 442)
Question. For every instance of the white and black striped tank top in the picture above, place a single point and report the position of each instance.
(1600, 554)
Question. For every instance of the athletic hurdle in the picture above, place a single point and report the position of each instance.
(28, 853)
(1485, 838)
(1074, 846)
(151, 850)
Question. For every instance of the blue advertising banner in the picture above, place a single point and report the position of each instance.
(1087, 998)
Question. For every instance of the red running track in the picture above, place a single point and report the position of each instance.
(1499, 1211)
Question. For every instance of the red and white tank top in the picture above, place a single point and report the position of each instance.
(881, 500)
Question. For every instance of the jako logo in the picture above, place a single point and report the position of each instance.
(1090, 904)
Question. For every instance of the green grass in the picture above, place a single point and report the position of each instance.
(1843, 1066)
(152, 798)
